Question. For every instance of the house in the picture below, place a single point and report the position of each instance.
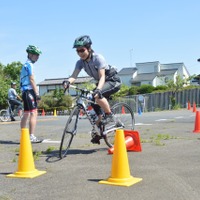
(49, 85)
(153, 73)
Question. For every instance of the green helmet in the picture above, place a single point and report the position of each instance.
(82, 41)
(33, 49)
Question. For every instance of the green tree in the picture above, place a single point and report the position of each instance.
(12, 71)
(175, 86)
(8, 73)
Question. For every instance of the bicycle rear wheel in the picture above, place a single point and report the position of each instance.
(4, 115)
(123, 115)
(69, 132)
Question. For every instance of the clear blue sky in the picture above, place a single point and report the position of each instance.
(124, 32)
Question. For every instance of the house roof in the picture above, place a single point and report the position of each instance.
(167, 72)
(127, 70)
(144, 63)
(58, 81)
(144, 77)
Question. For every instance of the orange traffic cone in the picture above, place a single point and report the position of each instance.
(197, 123)
(43, 113)
(123, 110)
(194, 107)
(120, 172)
(26, 167)
(189, 106)
(132, 141)
(81, 113)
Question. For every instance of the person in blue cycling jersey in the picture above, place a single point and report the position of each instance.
(96, 67)
(30, 94)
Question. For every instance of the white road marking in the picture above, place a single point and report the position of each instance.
(180, 117)
(158, 120)
(142, 124)
(50, 141)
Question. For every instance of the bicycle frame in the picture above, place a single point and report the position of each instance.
(80, 103)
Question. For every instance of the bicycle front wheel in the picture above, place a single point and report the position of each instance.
(4, 115)
(69, 132)
(125, 116)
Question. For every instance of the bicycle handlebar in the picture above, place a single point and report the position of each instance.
(80, 89)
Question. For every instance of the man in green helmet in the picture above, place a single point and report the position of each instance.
(30, 94)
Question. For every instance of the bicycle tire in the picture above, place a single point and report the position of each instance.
(4, 115)
(124, 114)
(69, 132)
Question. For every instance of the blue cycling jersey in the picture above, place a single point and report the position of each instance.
(26, 72)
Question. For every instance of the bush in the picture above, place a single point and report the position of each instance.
(55, 100)
(133, 90)
(144, 89)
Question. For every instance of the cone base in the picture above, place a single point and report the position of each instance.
(196, 131)
(31, 174)
(121, 182)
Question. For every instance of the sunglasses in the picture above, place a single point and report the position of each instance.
(80, 50)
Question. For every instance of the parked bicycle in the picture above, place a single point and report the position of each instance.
(5, 114)
(123, 119)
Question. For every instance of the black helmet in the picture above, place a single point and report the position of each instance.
(82, 41)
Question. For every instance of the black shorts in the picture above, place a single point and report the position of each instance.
(29, 99)
(111, 86)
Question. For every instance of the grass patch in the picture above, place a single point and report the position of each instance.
(36, 155)
(4, 198)
(14, 160)
(50, 149)
(157, 139)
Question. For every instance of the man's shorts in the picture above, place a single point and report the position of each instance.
(29, 99)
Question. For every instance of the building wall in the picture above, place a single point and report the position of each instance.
(148, 67)
(47, 88)
(126, 79)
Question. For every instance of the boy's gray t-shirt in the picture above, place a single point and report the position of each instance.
(91, 68)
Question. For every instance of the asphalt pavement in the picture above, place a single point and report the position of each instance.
(169, 163)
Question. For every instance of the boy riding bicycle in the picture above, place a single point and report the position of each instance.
(13, 100)
(95, 66)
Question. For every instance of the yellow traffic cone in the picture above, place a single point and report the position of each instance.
(55, 113)
(26, 167)
(120, 173)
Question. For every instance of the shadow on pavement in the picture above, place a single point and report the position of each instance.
(8, 142)
(54, 155)
(94, 180)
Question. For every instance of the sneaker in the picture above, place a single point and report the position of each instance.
(109, 118)
(119, 124)
(95, 138)
(34, 139)
(13, 119)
